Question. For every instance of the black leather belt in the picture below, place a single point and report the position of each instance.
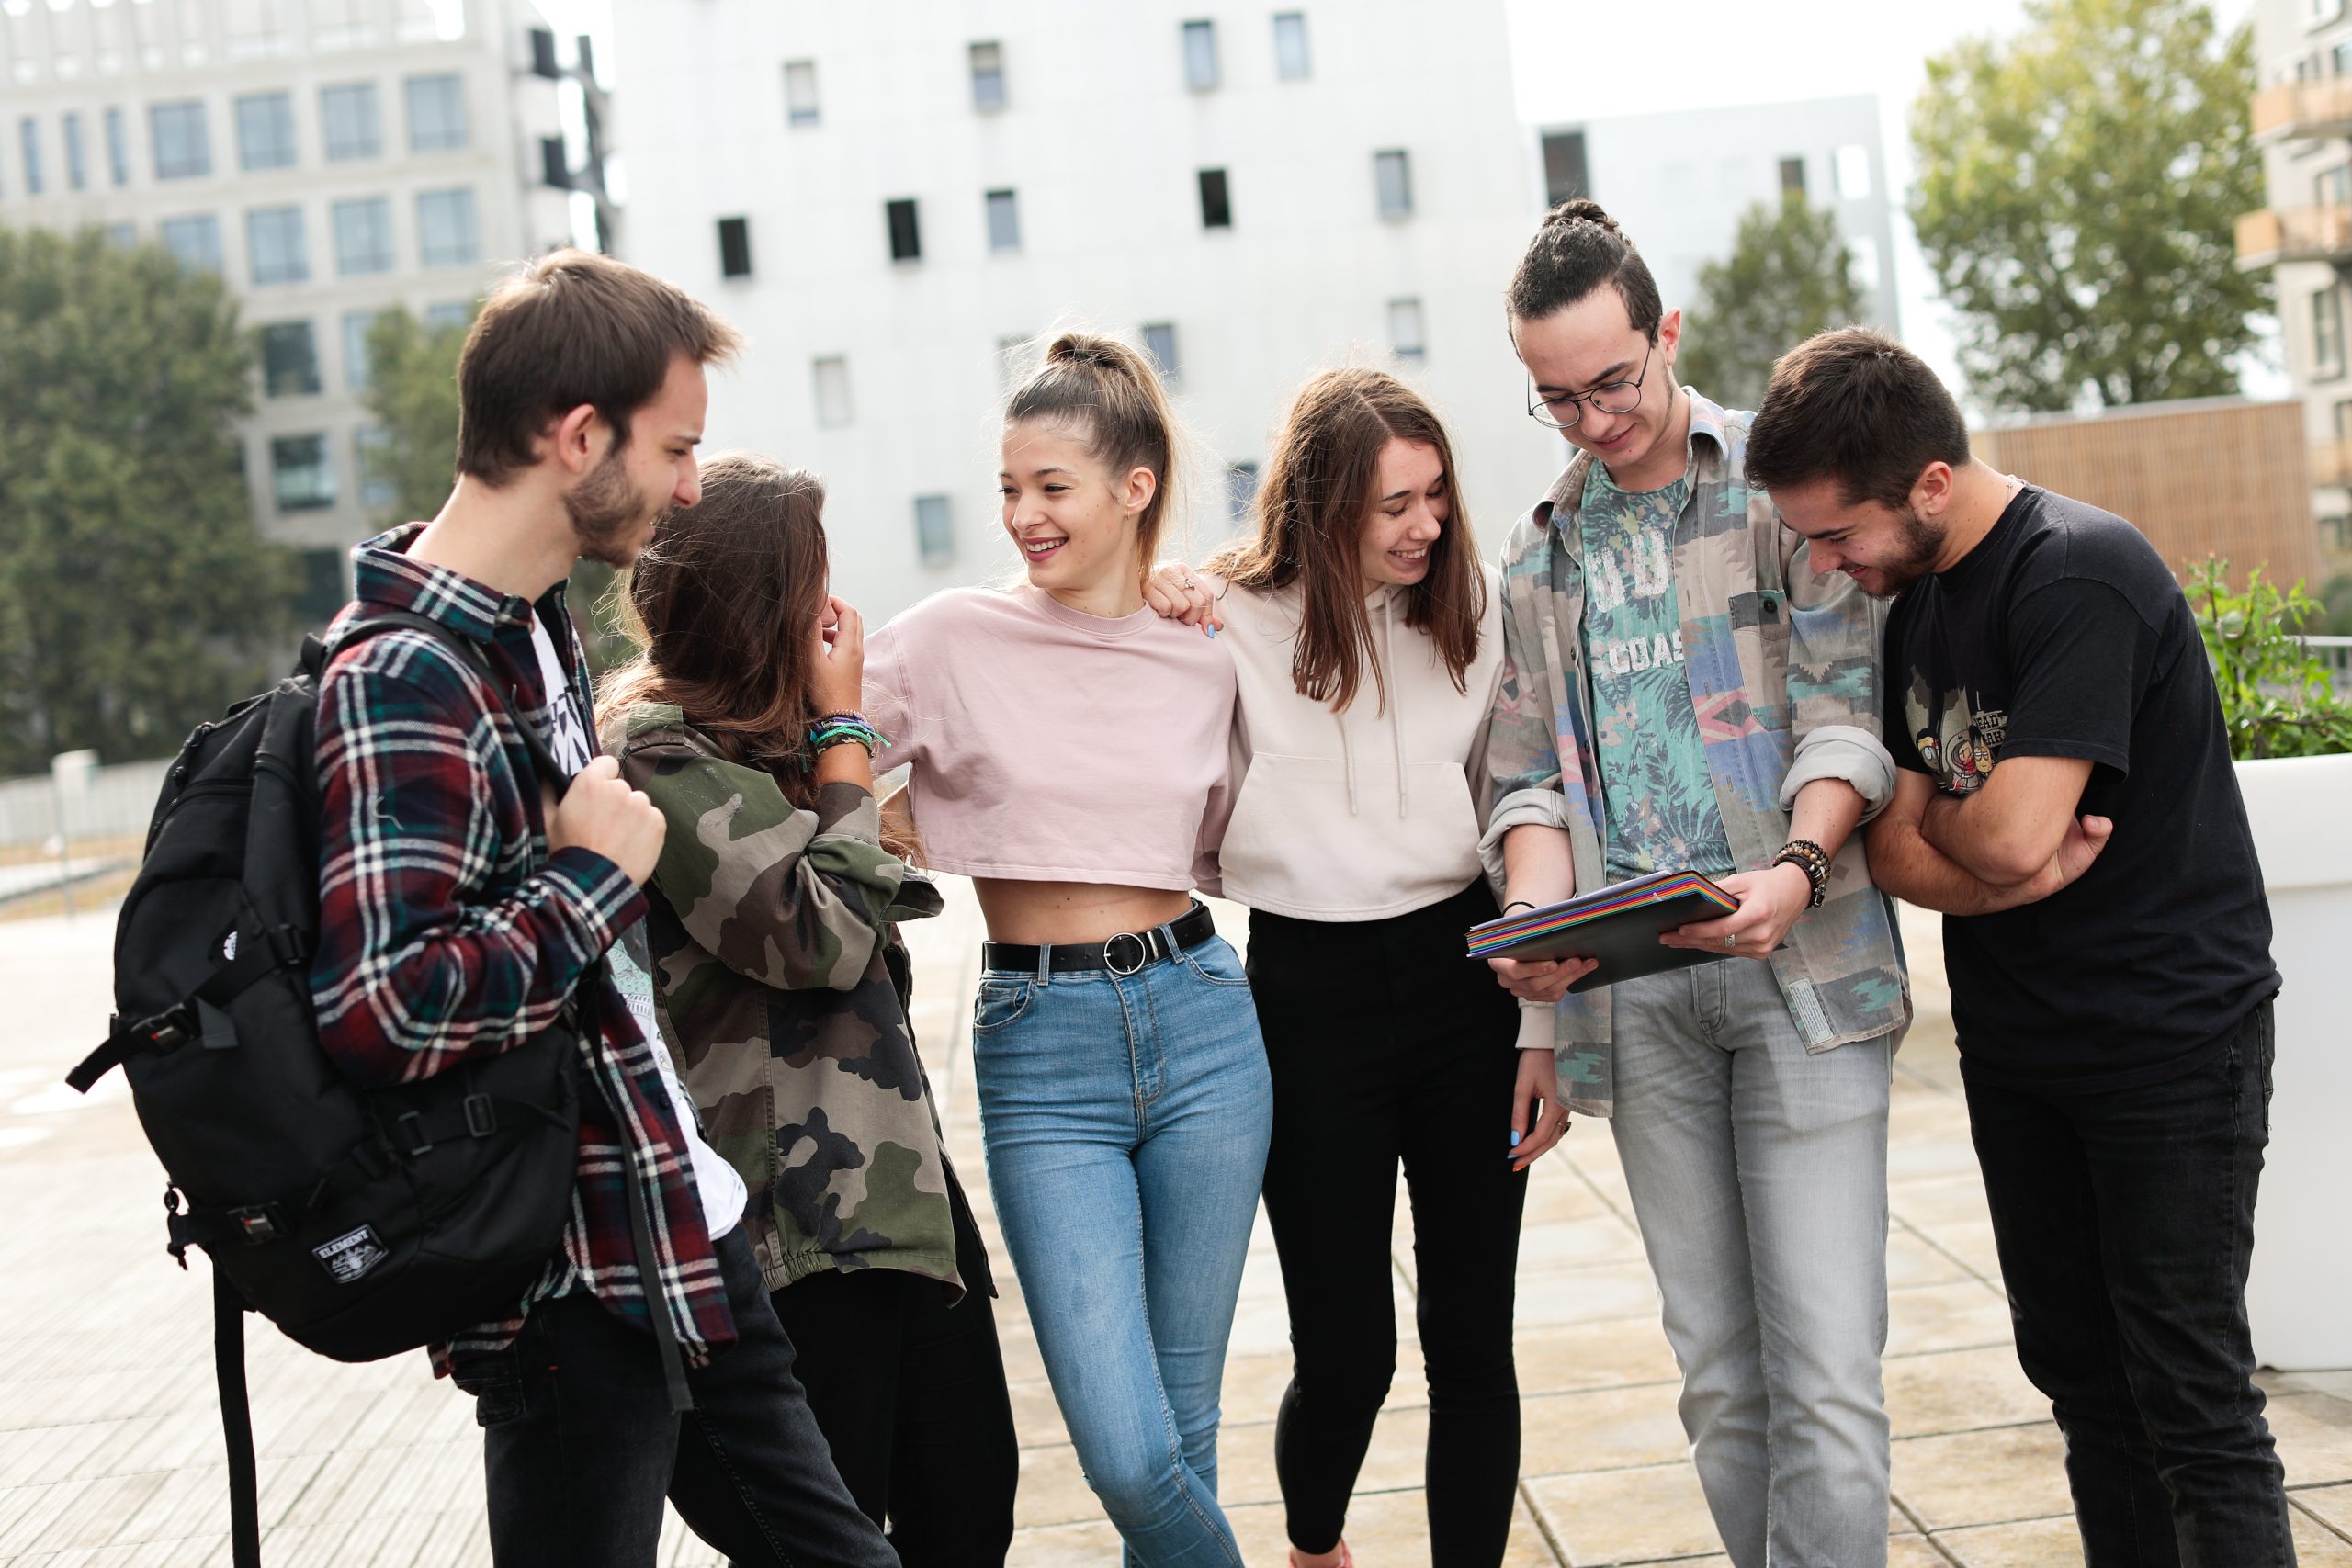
(1122, 955)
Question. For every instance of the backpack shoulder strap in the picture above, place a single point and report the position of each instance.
(543, 757)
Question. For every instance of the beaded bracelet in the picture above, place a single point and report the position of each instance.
(844, 728)
(1811, 859)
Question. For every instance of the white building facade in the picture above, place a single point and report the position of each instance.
(885, 200)
(1679, 181)
(330, 158)
(2303, 117)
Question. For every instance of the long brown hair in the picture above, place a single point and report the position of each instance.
(1114, 391)
(724, 604)
(1311, 510)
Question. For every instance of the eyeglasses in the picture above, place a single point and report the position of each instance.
(1563, 411)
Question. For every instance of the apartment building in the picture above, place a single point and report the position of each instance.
(1680, 180)
(2303, 119)
(330, 158)
(892, 201)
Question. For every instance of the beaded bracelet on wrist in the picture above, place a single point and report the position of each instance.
(1811, 859)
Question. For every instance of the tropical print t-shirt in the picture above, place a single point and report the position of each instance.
(1660, 801)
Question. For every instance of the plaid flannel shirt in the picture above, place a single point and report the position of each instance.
(447, 930)
(1783, 667)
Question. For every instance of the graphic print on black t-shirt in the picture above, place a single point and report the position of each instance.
(1956, 741)
(2063, 635)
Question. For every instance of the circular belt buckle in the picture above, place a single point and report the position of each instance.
(1111, 954)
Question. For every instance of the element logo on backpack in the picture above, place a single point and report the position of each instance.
(350, 1255)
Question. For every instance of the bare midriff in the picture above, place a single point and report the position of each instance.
(1036, 913)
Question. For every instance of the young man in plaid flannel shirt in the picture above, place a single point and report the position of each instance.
(462, 906)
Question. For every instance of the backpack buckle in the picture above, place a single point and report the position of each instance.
(410, 1136)
(258, 1223)
(175, 1026)
(481, 1116)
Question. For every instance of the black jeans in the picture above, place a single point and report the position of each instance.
(581, 1445)
(2125, 1224)
(909, 1393)
(1388, 1043)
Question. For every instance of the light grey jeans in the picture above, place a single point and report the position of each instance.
(1759, 1177)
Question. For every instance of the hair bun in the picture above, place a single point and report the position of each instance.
(1580, 209)
(1083, 348)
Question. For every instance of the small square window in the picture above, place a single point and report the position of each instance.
(1291, 63)
(183, 146)
(321, 595)
(351, 122)
(1393, 177)
(266, 130)
(301, 473)
(734, 247)
(276, 250)
(117, 148)
(1405, 339)
(372, 450)
(833, 392)
(906, 238)
(195, 243)
(800, 92)
(1217, 204)
(122, 236)
(78, 172)
(28, 132)
(2328, 331)
(934, 531)
(1791, 177)
(1200, 56)
(289, 359)
(363, 236)
(988, 76)
(1564, 177)
(447, 232)
(436, 114)
(357, 327)
(454, 313)
(1160, 342)
(1004, 220)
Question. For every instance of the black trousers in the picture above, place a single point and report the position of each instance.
(1386, 1044)
(580, 1445)
(909, 1393)
(2125, 1226)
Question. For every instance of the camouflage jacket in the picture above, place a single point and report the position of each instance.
(775, 990)
(1783, 666)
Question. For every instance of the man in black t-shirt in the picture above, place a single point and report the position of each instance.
(2067, 800)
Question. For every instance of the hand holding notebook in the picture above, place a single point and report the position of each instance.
(1617, 927)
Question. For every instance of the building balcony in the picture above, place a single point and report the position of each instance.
(2299, 111)
(2295, 234)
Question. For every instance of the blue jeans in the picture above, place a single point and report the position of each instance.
(1757, 1172)
(1126, 1119)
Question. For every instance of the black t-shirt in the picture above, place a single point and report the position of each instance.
(2063, 635)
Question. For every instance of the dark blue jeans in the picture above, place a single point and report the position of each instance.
(581, 1445)
(2125, 1224)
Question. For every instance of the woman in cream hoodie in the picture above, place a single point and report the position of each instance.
(1367, 639)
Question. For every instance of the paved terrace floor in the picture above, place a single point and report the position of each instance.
(110, 1451)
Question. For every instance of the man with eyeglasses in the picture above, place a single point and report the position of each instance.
(1682, 690)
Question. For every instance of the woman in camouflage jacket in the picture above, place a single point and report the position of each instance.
(782, 989)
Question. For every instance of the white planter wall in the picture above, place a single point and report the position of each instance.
(2300, 1296)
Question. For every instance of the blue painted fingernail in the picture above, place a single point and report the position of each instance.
(1514, 1140)
(1212, 633)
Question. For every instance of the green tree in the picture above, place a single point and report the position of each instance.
(1789, 276)
(2078, 193)
(136, 597)
(412, 394)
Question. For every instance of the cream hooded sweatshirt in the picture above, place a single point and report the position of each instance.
(1360, 815)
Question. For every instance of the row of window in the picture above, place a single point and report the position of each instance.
(290, 350)
(302, 471)
(278, 248)
(1202, 72)
(1392, 174)
(180, 135)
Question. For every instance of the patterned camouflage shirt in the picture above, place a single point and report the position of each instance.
(1783, 669)
(771, 930)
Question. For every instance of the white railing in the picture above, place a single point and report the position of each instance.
(2336, 652)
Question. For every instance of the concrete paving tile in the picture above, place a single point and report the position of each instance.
(1913, 1552)
(1970, 1241)
(2028, 1544)
(1910, 1261)
(2314, 1436)
(2317, 1546)
(1988, 1477)
(1593, 1294)
(1385, 1530)
(1561, 1244)
(1625, 1515)
(1958, 1390)
(1053, 1489)
(1944, 1201)
(1555, 1193)
(2331, 1505)
(1561, 1358)
(1961, 1315)
(1394, 1460)
(2337, 1383)
(1614, 1428)
(1089, 1545)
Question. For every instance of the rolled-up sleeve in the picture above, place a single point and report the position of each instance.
(1835, 675)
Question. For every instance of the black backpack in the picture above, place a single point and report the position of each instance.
(362, 1222)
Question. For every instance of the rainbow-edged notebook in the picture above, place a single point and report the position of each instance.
(1619, 926)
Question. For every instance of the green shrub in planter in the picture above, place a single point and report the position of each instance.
(2276, 695)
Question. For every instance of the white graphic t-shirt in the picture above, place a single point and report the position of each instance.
(723, 1193)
